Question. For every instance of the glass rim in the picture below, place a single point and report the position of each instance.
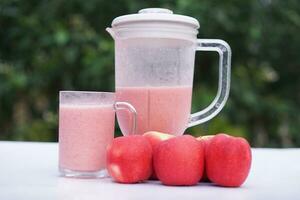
(69, 97)
(84, 92)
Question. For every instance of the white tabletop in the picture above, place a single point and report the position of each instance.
(29, 171)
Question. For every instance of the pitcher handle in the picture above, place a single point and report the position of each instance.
(218, 103)
(119, 105)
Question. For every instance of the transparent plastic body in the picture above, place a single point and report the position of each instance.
(86, 128)
(154, 62)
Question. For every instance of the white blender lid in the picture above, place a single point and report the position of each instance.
(156, 15)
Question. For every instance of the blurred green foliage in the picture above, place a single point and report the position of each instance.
(47, 46)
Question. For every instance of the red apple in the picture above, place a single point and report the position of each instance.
(155, 138)
(205, 140)
(228, 160)
(179, 161)
(129, 159)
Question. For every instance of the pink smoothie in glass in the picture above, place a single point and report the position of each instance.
(164, 109)
(84, 133)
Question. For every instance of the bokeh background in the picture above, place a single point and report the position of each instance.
(47, 46)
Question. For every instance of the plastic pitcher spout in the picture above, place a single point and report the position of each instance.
(111, 32)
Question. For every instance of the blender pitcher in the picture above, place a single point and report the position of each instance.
(154, 67)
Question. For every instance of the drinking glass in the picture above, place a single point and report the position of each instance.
(86, 128)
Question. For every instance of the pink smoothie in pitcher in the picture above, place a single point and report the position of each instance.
(84, 133)
(164, 109)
